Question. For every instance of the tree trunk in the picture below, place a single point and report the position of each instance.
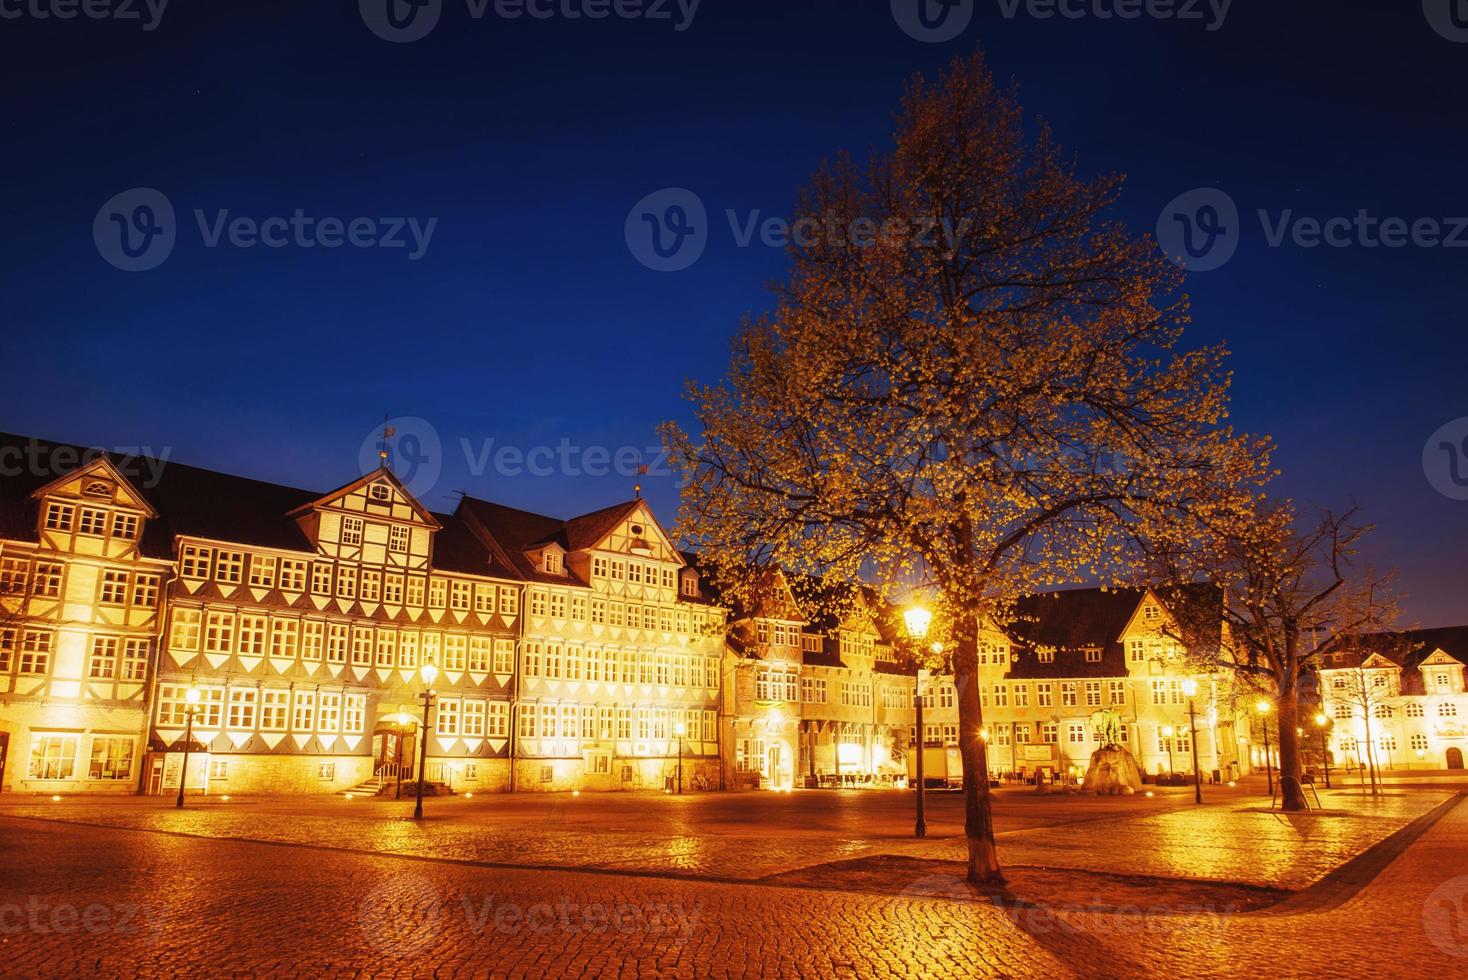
(1292, 791)
(978, 823)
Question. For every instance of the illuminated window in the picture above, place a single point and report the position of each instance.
(48, 580)
(504, 656)
(397, 538)
(284, 634)
(59, 517)
(135, 658)
(35, 652)
(1447, 710)
(312, 632)
(103, 661)
(371, 585)
(112, 758)
(229, 567)
(1419, 742)
(93, 522)
(53, 756)
(145, 590)
(242, 708)
(552, 563)
(346, 582)
(125, 526)
(114, 588)
(274, 703)
(351, 530)
(262, 571)
(460, 595)
(509, 601)
(303, 712)
(195, 561)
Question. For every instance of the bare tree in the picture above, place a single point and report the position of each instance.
(1285, 587)
(971, 387)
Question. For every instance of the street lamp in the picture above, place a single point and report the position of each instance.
(1263, 708)
(191, 708)
(429, 673)
(680, 730)
(1190, 688)
(1167, 734)
(917, 619)
(402, 719)
(1320, 721)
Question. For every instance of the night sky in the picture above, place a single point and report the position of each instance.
(527, 320)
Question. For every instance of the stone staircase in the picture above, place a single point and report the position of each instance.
(380, 784)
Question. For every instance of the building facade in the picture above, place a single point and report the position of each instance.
(1397, 701)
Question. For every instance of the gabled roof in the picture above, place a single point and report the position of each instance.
(1068, 623)
(381, 473)
(201, 503)
(1406, 649)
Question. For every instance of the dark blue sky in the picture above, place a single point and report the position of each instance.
(528, 321)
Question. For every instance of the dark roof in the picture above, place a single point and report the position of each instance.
(201, 503)
(1068, 623)
(1407, 649)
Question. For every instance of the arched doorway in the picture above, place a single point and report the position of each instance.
(1455, 758)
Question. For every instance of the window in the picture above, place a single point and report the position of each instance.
(321, 578)
(499, 719)
(1342, 711)
(273, 706)
(145, 590)
(114, 587)
(218, 770)
(135, 658)
(262, 571)
(437, 593)
(229, 567)
(473, 719)
(346, 582)
(416, 587)
(53, 756)
(1419, 743)
(1076, 733)
(351, 530)
(1093, 655)
(1093, 694)
(1118, 692)
(195, 561)
(371, 585)
(1389, 743)
(1046, 656)
(103, 663)
(354, 713)
(392, 590)
(397, 538)
(59, 517)
(448, 716)
(1447, 710)
(329, 713)
(379, 491)
(1050, 732)
(242, 708)
(93, 522)
(537, 602)
(125, 526)
(362, 647)
(326, 771)
(48, 580)
(558, 606)
(112, 758)
(1068, 695)
(504, 656)
(292, 575)
(552, 563)
(303, 714)
(252, 635)
(35, 652)
(1382, 711)
(1414, 709)
(312, 631)
(509, 601)
(15, 575)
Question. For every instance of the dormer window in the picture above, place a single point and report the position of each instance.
(552, 563)
(690, 585)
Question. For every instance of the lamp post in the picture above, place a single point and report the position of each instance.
(1320, 722)
(403, 719)
(916, 618)
(430, 674)
(680, 730)
(1167, 731)
(1190, 688)
(1263, 709)
(191, 708)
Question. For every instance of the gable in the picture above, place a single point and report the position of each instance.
(638, 534)
(100, 482)
(1440, 658)
(1377, 662)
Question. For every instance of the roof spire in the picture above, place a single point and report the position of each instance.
(641, 472)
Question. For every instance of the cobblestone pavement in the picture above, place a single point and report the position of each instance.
(752, 836)
(91, 900)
